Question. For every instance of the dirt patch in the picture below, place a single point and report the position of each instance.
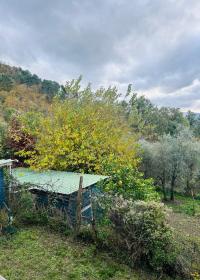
(185, 224)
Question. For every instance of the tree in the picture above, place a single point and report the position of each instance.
(191, 117)
(194, 122)
(196, 128)
(141, 114)
(50, 88)
(166, 157)
(6, 83)
(191, 153)
(156, 162)
(2, 140)
(174, 162)
(170, 121)
(74, 90)
(149, 121)
(82, 136)
(25, 77)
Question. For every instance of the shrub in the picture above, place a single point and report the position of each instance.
(28, 211)
(129, 183)
(25, 211)
(188, 260)
(18, 137)
(142, 234)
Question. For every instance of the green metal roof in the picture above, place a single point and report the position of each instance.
(6, 162)
(55, 181)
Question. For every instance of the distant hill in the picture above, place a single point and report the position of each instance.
(21, 91)
(11, 76)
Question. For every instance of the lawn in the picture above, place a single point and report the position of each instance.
(34, 253)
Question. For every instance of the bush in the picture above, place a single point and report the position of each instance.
(18, 138)
(188, 261)
(28, 211)
(129, 183)
(141, 233)
(25, 211)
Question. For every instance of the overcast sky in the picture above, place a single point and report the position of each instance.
(153, 44)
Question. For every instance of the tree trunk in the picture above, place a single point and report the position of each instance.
(188, 190)
(172, 187)
(162, 180)
(164, 190)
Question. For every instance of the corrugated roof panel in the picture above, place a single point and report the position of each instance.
(6, 162)
(55, 181)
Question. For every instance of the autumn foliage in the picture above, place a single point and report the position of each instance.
(18, 138)
(82, 136)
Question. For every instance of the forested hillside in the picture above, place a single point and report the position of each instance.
(21, 90)
(11, 76)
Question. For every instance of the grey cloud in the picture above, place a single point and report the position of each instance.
(149, 43)
(186, 98)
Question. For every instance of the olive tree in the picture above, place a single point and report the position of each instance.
(173, 161)
(156, 163)
(191, 153)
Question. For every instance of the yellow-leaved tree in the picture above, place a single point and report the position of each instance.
(82, 135)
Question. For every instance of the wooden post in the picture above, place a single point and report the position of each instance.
(10, 169)
(10, 186)
(93, 221)
(79, 205)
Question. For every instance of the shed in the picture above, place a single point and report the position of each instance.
(4, 163)
(64, 185)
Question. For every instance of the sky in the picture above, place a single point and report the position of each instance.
(152, 44)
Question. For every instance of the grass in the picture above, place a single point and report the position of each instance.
(34, 253)
(37, 253)
(185, 216)
(185, 219)
(186, 205)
